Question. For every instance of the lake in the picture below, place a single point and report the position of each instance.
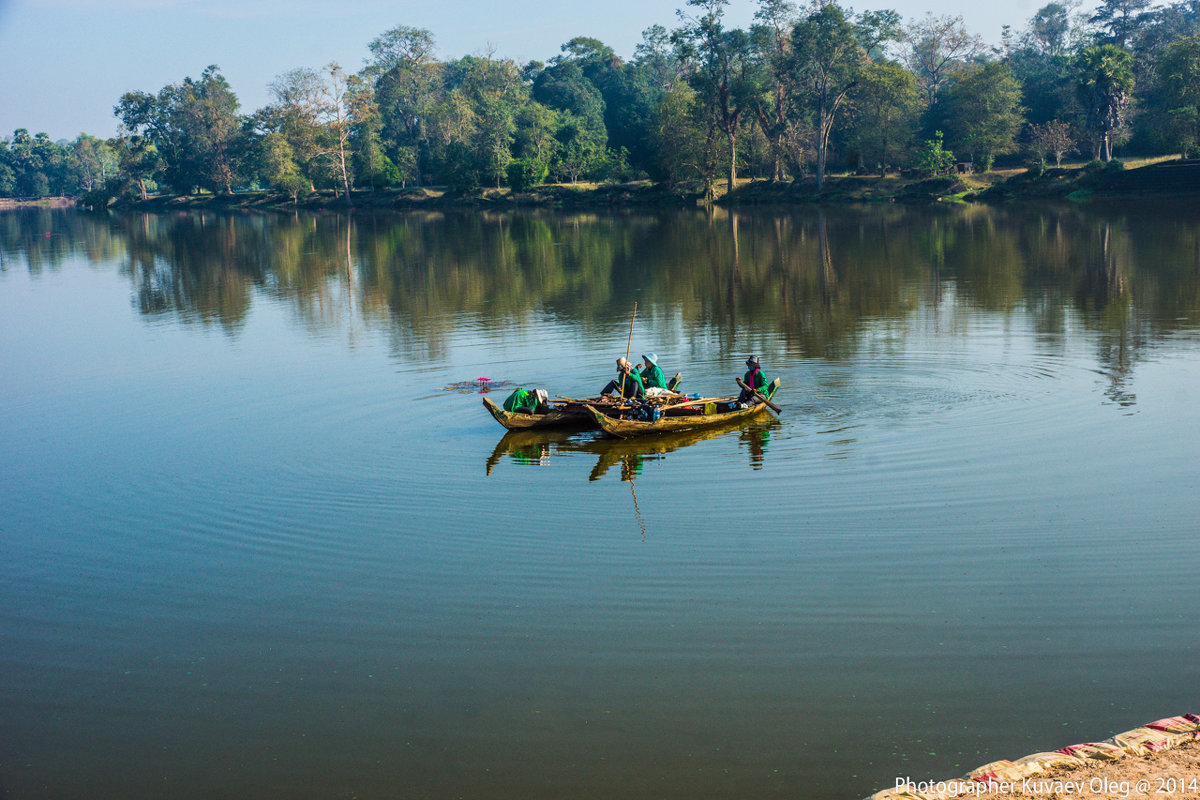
(259, 537)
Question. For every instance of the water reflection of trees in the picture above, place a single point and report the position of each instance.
(805, 280)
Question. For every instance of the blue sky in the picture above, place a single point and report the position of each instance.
(65, 63)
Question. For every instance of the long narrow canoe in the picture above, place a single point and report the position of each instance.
(517, 421)
(675, 423)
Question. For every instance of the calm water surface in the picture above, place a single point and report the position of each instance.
(250, 545)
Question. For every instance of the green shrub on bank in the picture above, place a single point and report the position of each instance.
(525, 173)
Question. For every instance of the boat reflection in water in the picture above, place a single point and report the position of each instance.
(536, 447)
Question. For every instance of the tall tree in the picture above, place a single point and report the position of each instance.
(876, 29)
(93, 160)
(195, 127)
(1179, 74)
(563, 86)
(827, 64)
(720, 70)
(1104, 81)
(655, 58)
(1121, 20)
(936, 47)
(981, 112)
(885, 102)
(337, 93)
(684, 138)
(475, 120)
(312, 110)
(775, 99)
(405, 77)
(1049, 29)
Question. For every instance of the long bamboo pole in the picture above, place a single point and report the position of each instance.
(628, 346)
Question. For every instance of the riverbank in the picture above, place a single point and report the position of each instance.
(1160, 759)
(1150, 178)
(639, 194)
(41, 202)
(838, 190)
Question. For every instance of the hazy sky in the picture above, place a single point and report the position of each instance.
(64, 64)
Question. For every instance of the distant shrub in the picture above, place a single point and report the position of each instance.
(1116, 165)
(525, 173)
(932, 158)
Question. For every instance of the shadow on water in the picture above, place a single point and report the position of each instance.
(537, 448)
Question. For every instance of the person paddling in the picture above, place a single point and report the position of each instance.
(754, 380)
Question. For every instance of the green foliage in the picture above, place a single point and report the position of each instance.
(460, 168)
(1104, 81)
(932, 158)
(1120, 19)
(723, 71)
(885, 108)
(34, 166)
(8, 180)
(980, 112)
(525, 173)
(827, 63)
(1050, 138)
(800, 87)
(1179, 75)
(684, 153)
(1049, 29)
(195, 129)
(279, 168)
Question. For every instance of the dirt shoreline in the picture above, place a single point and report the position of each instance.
(1171, 773)
(1158, 760)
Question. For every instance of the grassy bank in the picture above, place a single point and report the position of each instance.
(558, 196)
(1142, 178)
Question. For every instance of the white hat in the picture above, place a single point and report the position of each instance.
(541, 395)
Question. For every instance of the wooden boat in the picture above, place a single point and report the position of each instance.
(570, 412)
(565, 415)
(679, 419)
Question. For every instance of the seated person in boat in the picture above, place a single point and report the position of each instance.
(652, 375)
(532, 401)
(628, 382)
(755, 380)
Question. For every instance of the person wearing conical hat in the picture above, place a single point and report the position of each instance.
(628, 382)
(652, 375)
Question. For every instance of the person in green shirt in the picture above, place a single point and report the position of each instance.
(652, 375)
(523, 401)
(628, 382)
(753, 379)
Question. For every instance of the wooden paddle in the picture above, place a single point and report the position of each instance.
(770, 405)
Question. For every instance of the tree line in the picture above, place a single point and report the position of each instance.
(800, 92)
